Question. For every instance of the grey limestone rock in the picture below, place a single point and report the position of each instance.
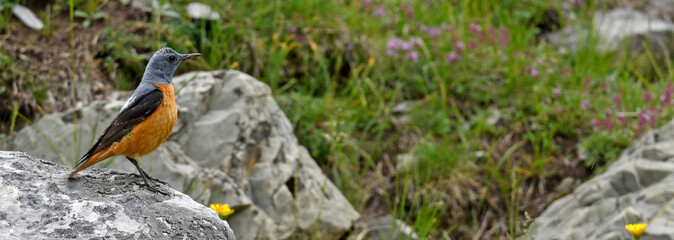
(199, 10)
(155, 6)
(613, 26)
(232, 144)
(387, 227)
(636, 188)
(663, 9)
(27, 17)
(38, 201)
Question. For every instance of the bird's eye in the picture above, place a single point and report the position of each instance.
(172, 58)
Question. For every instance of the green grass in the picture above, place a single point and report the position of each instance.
(483, 131)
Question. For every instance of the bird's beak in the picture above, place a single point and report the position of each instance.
(190, 55)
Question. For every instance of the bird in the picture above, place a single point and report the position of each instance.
(146, 120)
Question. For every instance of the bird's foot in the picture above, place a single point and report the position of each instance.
(157, 190)
(154, 188)
(152, 178)
(157, 180)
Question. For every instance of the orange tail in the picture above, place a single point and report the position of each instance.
(91, 161)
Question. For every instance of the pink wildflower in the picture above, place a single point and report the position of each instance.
(604, 86)
(666, 97)
(453, 57)
(491, 33)
(596, 124)
(617, 100)
(406, 46)
(622, 118)
(380, 12)
(585, 105)
(409, 11)
(393, 42)
(644, 119)
(414, 56)
(533, 72)
(608, 124)
(475, 28)
(504, 36)
(648, 97)
(460, 46)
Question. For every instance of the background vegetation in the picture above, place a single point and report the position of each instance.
(454, 116)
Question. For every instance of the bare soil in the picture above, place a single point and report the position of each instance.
(45, 68)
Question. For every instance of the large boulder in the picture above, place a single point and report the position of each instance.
(636, 188)
(644, 36)
(37, 200)
(232, 144)
(612, 27)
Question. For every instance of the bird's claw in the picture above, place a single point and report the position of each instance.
(156, 180)
(155, 189)
(152, 178)
(162, 192)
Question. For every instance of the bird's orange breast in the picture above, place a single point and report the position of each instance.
(153, 131)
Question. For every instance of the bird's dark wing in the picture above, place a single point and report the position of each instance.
(137, 111)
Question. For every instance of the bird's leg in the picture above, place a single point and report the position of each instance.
(144, 175)
(140, 171)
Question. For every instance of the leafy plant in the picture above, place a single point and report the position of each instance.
(46, 17)
(604, 147)
(91, 11)
(6, 13)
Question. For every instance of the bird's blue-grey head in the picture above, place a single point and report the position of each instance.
(159, 70)
(163, 65)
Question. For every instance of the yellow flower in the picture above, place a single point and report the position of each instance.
(636, 229)
(370, 61)
(222, 209)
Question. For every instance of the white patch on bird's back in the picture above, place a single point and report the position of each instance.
(127, 103)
